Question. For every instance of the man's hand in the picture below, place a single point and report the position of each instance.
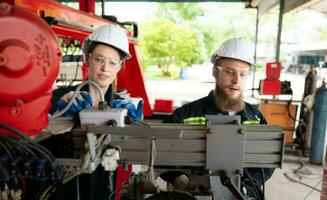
(83, 100)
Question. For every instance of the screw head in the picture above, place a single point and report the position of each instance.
(241, 131)
(5, 8)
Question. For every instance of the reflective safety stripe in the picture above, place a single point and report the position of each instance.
(195, 120)
(253, 121)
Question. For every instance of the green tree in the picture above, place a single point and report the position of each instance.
(179, 12)
(165, 43)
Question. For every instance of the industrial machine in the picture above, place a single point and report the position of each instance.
(29, 63)
(189, 158)
(194, 161)
(277, 111)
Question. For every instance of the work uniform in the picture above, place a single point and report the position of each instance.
(194, 113)
(85, 186)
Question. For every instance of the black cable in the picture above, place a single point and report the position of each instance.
(3, 145)
(289, 103)
(263, 183)
(296, 181)
(16, 131)
(309, 193)
(22, 145)
(23, 136)
(91, 188)
(15, 150)
(112, 195)
(50, 158)
(252, 183)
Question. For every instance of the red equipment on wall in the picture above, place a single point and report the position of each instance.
(29, 64)
(271, 85)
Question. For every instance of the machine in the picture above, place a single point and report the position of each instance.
(191, 159)
(194, 161)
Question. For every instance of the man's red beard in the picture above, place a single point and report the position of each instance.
(226, 103)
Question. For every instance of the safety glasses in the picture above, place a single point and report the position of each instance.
(231, 73)
(100, 60)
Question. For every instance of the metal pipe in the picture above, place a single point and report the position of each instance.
(73, 24)
(255, 50)
(280, 26)
(103, 7)
(319, 125)
(255, 3)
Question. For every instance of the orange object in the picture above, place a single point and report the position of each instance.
(276, 113)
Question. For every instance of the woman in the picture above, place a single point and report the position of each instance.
(104, 52)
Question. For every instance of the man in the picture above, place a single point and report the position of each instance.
(231, 67)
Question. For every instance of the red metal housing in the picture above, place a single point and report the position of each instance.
(29, 64)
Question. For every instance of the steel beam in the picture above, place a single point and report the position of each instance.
(51, 8)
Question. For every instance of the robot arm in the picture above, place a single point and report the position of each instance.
(29, 64)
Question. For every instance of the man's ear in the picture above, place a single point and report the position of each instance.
(215, 72)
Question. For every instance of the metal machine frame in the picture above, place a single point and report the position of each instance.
(214, 150)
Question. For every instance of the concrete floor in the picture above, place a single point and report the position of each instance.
(279, 187)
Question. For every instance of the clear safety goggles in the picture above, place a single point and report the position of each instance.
(100, 60)
(231, 73)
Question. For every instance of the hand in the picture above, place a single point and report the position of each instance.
(83, 100)
(135, 112)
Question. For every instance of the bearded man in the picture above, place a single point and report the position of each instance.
(232, 62)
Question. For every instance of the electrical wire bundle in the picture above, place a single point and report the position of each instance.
(27, 169)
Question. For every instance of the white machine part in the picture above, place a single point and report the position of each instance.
(109, 159)
(103, 117)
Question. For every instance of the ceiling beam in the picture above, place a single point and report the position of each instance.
(176, 1)
(265, 5)
(292, 4)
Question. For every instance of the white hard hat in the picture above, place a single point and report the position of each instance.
(111, 35)
(236, 48)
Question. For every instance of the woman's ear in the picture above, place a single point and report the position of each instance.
(85, 59)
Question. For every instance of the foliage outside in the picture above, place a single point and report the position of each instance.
(165, 43)
(182, 35)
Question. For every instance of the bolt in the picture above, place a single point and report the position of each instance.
(5, 8)
(238, 172)
(19, 102)
(3, 59)
(240, 131)
(15, 111)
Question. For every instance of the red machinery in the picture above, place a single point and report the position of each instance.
(272, 85)
(29, 64)
(30, 57)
